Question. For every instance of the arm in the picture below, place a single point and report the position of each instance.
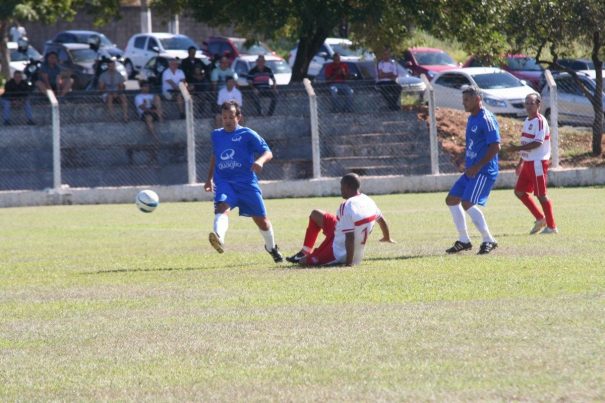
(526, 147)
(384, 227)
(350, 247)
(492, 151)
(257, 166)
(208, 185)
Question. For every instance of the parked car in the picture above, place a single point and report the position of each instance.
(21, 53)
(81, 36)
(521, 66)
(428, 61)
(142, 47)
(330, 46)
(233, 47)
(573, 106)
(365, 71)
(502, 92)
(80, 60)
(242, 64)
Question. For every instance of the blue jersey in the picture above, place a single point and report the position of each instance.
(234, 153)
(481, 131)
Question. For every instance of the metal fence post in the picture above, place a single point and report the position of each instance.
(432, 127)
(189, 128)
(315, 151)
(56, 128)
(554, 117)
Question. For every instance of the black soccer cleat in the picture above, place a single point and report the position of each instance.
(275, 254)
(296, 258)
(459, 247)
(487, 247)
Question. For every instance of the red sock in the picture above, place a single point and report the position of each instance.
(313, 231)
(531, 206)
(550, 218)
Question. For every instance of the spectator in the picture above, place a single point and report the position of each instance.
(52, 78)
(336, 75)
(387, 80)
(219, 74)
(190, 63)
(227, 94)
(17, 32)
(149, 109)
(16, 92)
(171, 77)
(260, 78)
(111, 83)
(198, 80)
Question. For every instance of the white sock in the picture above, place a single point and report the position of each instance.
(221, 224)
(460, 223)
(269, 238)
(479, 221)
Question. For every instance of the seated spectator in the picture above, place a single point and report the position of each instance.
(111, 83)
(219, 75)
(227, 94)
(190, 63)
(149, 108)
(50, 77)
(260, 78)
(336, 75)
(171, 78)
(387, 80)
(16, 92)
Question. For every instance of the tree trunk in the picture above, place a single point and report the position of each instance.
(4, 55)
(597, 101)
(307, 48)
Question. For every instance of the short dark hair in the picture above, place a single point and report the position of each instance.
(226, 106)
(192, 47)
(471, 90)
(352, 181)
(536, 96)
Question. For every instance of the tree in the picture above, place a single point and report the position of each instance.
(47, 11)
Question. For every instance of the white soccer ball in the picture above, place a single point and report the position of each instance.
(147, 200)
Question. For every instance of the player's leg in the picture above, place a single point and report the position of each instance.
(314, 227)
(541, 168)
(224, 200)
(476, 194)
(523, 189)
(453, 200)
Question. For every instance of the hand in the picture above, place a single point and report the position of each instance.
(387, 240)
(257, 167)
(472, 171)
(513, 147)
(209, 186)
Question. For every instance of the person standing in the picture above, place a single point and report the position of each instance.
(346, 233)
(232, 175)
(16, 93)
(262, 81)
(336, 75)
(533, 166)
(387, 80)
(481, 170)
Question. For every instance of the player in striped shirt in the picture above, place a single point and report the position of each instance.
(533, 167)
(346, 233)
(480, 173)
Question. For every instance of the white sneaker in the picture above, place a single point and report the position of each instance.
(216, 242)
(549, 230)
(538, 225)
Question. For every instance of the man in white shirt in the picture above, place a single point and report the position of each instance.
(171, 77)
(387, 80)
(226, 94)
(346, 232)
(149, 108)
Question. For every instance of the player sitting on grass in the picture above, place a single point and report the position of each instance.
(346, 232)
(232, 176)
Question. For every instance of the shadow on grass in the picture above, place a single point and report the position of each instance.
(159, 269)
(342, 266)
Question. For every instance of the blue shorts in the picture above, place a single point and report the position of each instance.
(248, 198)
(475, 190)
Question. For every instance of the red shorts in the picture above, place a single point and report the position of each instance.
(324, 254)
(532, 177)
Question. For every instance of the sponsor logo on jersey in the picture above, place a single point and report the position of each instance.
(474, 129)
(237, 137)
(227, 160)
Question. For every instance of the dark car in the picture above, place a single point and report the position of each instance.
(80, 36)
(577, 64)
(233, 47)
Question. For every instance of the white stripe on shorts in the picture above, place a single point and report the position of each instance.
(479, 186)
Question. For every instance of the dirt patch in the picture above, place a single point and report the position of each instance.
(575, 143)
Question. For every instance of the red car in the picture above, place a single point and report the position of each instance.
(233, 47)
(520, 66)
(429, 61)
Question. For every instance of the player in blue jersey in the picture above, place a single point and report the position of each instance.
(480, 173)
(232, 176)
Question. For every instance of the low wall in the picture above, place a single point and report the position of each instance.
(285, 189)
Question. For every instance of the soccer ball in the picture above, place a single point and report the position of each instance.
(147, 200)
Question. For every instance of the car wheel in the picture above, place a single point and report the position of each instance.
(129, 69)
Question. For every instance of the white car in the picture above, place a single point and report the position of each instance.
(142, 47)
(244, 63)
(502, 92)
(21, 57)
(344, 47)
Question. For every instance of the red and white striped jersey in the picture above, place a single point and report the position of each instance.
(536, 130)
(358, 215)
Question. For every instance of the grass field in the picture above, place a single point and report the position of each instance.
(106, 303)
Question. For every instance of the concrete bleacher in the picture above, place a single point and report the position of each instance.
(98, 150)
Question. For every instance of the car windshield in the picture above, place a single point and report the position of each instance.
(178, 43)
(494, 81)
(83, 38)
(83, 55)
(523, 63)
(31, 53)
(367, 70)
(279, 66)
(256, 48)
(434, 59)
(346, 50)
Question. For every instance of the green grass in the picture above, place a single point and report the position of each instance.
(106, 303)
